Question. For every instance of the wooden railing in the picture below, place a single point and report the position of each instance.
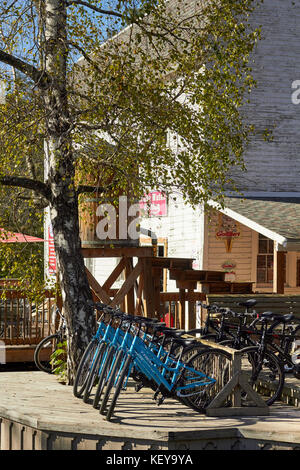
(25, 321)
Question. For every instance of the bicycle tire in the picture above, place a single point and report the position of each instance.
(103, 376)
(118, 388)
(189, 351)
(266, 379)
(93, 373)
(111, 381)
(84, 368)
(209, 362)
(43, 365)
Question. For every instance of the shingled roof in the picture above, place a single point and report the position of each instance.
(276, 218)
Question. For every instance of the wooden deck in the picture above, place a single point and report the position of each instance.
(38, 412)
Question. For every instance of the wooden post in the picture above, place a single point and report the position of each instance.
(149, 294)
(130, 307)
(182, 309)
(278, 270)
(157, 273)
(190, 286)
(191, 311)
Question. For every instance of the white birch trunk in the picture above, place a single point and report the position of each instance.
(64, 204)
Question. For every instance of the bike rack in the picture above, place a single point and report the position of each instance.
(233, 390)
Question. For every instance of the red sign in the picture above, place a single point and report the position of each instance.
(228, 233)
(154, 204)
(51, 253)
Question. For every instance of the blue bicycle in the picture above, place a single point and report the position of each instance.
(127, 346)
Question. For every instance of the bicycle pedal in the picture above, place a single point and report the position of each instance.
(160, 400)
(156, 395)
(138, 387)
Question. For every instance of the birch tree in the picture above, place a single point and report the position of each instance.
(110, 83)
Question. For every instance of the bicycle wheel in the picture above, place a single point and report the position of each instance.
(111, 382)
(122, 378)
(84, 367)
(214, 363)
(94, 372)
(189, 351)
(265, 374)
(105, 368)
(43, 352)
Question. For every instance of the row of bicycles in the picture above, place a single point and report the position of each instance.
(179, 364)
(191, 366)
(147, 351)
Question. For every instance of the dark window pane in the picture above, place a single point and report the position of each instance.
(261, 261)
(261, 274)
(263, 246)
(270, 275)
(270, 261)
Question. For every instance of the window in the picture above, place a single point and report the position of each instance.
(264, 260)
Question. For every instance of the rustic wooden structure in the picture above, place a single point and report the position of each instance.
(232, 382)
(141, 293)
(233, 389)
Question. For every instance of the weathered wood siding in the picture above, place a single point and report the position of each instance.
(241, 253)
(274, 166)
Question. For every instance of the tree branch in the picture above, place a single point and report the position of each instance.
(39, 77)
(26, 183)
(93, 7)
(91, 189)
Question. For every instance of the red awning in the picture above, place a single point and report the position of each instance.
(11, 237)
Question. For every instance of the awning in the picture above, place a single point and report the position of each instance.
(275, 218)
(12, 237)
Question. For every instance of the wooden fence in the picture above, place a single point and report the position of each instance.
(276, 303)
(25, 321)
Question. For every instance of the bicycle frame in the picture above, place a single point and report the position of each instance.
(154, 369)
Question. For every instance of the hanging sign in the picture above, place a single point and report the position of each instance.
(229, 268)
(154, 204)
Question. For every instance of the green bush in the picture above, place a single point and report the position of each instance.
(58, 361)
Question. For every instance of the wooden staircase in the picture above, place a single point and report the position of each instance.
(141, 291)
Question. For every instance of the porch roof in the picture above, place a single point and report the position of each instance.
(276, 218)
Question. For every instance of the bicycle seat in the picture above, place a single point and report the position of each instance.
(194, 331)
(248, 303)
(270, 316)
(124, 317)
(145, 319)
(288, 317)
(170, 331)
(158, 326)
(100, 306)
(175, 333)
(183, 341)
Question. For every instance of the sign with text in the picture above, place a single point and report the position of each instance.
(227, 230)
(51, 253)
(154, 204)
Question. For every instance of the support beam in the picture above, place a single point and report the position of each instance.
(278, 270)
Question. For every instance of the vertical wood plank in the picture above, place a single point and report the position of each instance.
(182, 308)
(130, 295)
(191, 312)
(139, 295)
(278, 271)
(149, 295)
